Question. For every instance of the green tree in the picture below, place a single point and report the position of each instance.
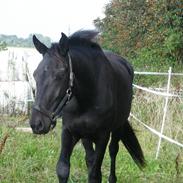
(148, 32)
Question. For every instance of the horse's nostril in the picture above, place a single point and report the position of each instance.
(40, 125)
(37, 126)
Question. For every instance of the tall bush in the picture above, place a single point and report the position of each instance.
(148, 32)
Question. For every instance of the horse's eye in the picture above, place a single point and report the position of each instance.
(46, 68)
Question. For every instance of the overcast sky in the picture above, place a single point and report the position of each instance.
(48, 17)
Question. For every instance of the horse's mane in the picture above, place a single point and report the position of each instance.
(89, 35)
(86, 38)
(82, 38)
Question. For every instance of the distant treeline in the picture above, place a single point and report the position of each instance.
(14, 41)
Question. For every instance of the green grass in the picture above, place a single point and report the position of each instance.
(27, 158)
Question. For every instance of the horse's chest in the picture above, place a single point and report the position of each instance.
(82, 126)
(85, 124)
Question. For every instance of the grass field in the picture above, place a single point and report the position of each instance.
(27, 158)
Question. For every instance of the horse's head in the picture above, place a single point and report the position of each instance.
(52, 84)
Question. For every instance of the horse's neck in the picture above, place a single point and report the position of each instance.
(105, 93)
(93, 87)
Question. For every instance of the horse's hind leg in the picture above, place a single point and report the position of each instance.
(63, 165)
(113, 150)
(90, 153)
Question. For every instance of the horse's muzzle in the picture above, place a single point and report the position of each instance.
(41, 124)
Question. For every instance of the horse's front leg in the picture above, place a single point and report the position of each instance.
(63, 165)
(90, 152)
(95, 175)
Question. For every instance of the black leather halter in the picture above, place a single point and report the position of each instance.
(53, 116)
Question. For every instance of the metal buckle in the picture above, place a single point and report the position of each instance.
(69, 93)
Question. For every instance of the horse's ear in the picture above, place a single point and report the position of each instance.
(64, 44)
(41, 48)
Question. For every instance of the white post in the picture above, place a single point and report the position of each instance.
(165, 111)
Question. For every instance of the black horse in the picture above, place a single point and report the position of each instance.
(92, 90)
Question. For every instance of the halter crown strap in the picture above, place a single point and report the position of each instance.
(71, 74)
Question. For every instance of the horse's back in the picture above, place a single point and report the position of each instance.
(124, 74)
(119, 63)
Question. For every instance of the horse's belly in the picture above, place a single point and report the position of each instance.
(83, 130)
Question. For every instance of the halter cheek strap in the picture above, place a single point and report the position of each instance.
(53, 116)
(58, 111)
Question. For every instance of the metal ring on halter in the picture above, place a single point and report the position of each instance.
(69, 93)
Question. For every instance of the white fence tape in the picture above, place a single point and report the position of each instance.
(156, 132)
(155, 92)
(158, 73)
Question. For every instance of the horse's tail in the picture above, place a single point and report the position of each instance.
(131, 143)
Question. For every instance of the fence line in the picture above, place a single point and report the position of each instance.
(31, 86)
(156, 132)
(166, 95)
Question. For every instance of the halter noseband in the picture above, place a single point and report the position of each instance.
(53, 116)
